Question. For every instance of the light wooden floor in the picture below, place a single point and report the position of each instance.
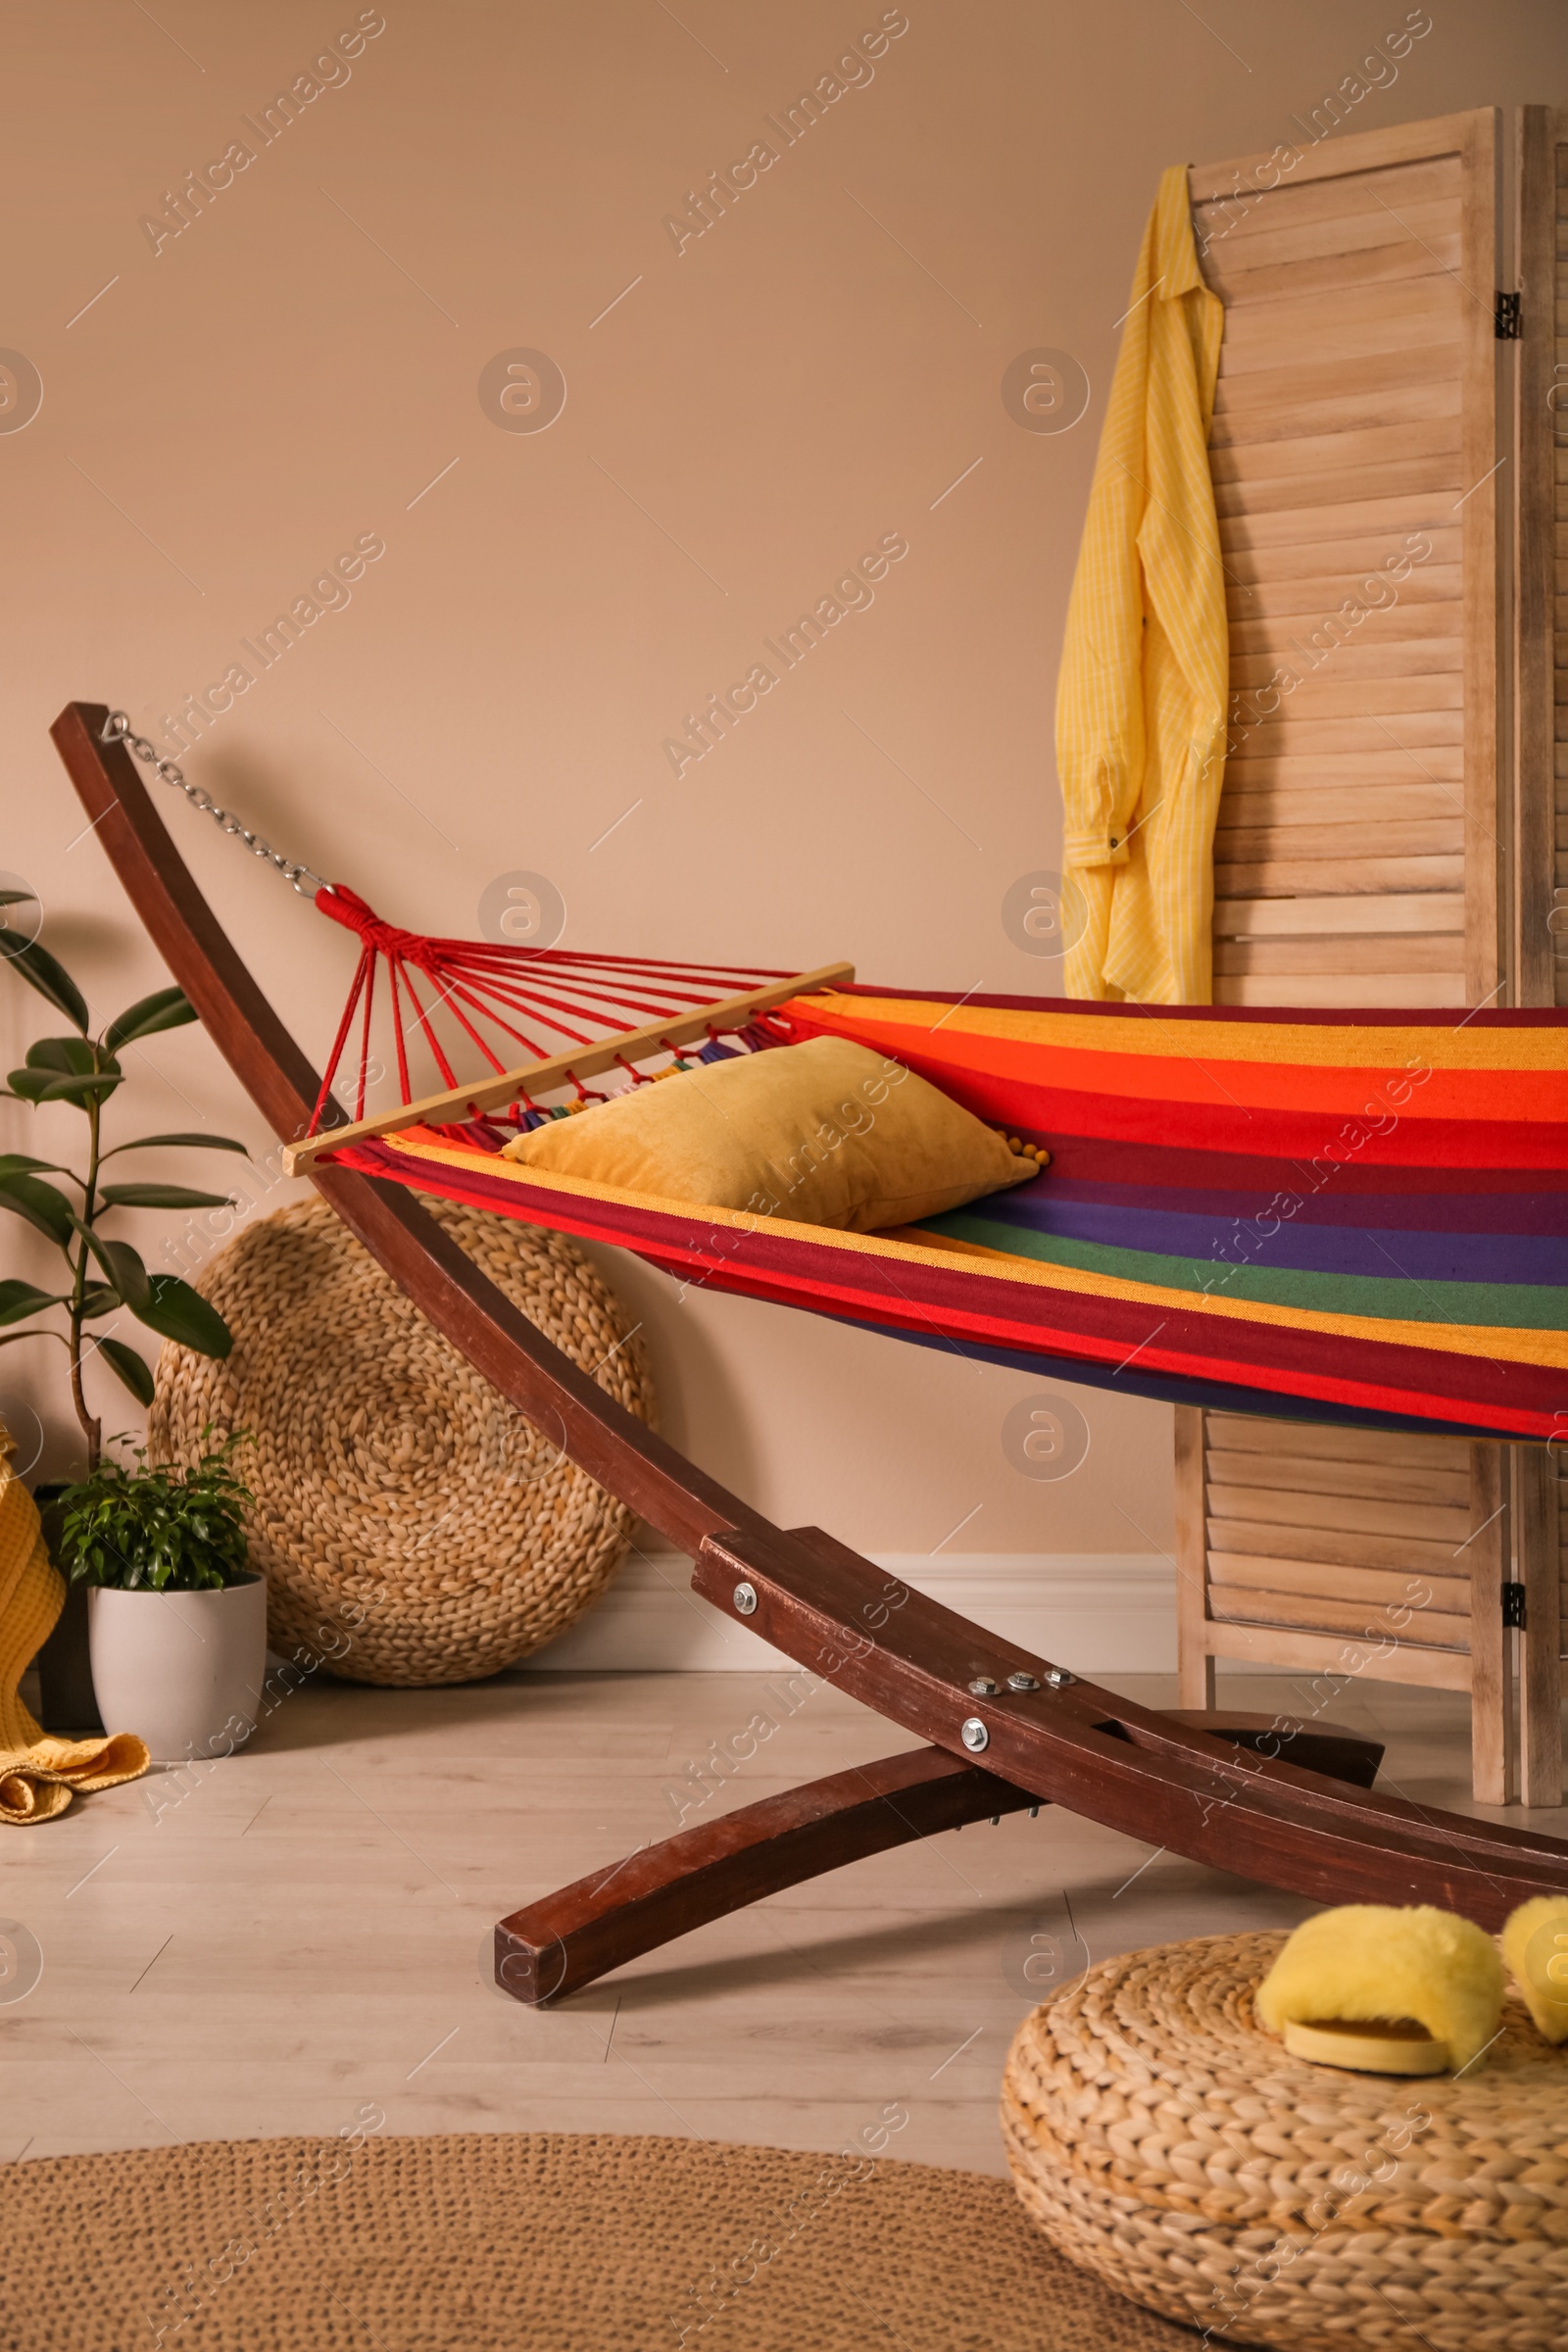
(301, 1934)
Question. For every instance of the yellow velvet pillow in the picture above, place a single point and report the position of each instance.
(824, 1133)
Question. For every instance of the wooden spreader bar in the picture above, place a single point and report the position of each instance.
(585, 1061)
(1157, 1776)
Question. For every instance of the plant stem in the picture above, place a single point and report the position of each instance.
(92, 1428)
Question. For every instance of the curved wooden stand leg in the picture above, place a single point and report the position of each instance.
(555, 1947)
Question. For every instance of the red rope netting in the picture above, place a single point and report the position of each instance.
(566, 994)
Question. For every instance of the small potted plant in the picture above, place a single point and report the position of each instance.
(177, 1622)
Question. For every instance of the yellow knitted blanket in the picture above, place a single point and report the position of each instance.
(38, 1772)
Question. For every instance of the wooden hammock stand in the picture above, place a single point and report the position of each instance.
(1212, 1787)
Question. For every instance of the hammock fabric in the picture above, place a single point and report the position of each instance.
(1339, 1219)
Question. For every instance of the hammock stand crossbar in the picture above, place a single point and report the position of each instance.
(1215, 1789)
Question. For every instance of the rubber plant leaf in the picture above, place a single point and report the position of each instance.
(41, 1204)
(161, 1195)
(49, 978)
(133, 1369)
(121, 1263)
(69, 1056)
(19, 1300)
(177, 1313)
(19, 1164)
(38, 1086)
(183, 1143)
(166, 1008)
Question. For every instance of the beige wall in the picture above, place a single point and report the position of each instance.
(293, 368)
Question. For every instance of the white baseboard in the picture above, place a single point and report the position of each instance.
(1096, 1612)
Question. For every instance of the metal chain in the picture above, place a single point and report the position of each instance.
(116, 729)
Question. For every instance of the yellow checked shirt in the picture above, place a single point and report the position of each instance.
(1141, 699)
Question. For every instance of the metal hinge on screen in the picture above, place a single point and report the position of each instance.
(1513, 1606)
(1506, 320)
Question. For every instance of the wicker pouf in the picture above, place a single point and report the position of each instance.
(1164, 2141)
(412, 1528)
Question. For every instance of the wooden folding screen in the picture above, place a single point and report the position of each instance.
(1538, 455)
(1355, 454)
(1363, 849)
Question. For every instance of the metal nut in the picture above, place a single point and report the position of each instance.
(1022, 1682)
(746, 1601)
(983, 1687)
(974, 1735)
(1058, 1678)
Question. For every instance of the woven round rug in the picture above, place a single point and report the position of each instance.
(545, 2240)
(412, 1528)
(1164, 2141)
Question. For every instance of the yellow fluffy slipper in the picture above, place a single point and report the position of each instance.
(1387, 1991)
(1535, 1945)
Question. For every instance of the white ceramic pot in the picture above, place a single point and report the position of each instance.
(181, 1670)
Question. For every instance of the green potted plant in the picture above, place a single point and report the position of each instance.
(103, 1280)
(176, 1621)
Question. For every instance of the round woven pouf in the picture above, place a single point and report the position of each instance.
(1161, 2138)
(414, 1529)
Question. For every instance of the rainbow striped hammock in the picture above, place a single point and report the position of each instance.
(1357, 1218)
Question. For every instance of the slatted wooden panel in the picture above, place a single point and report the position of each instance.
(1346, 1552)
(1539, 822)
(1541, 1562)
(1340, 1531)
(1354, 450)
(1541, 456)
(1354, 426)
(1558, 396)
(1539, 553)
